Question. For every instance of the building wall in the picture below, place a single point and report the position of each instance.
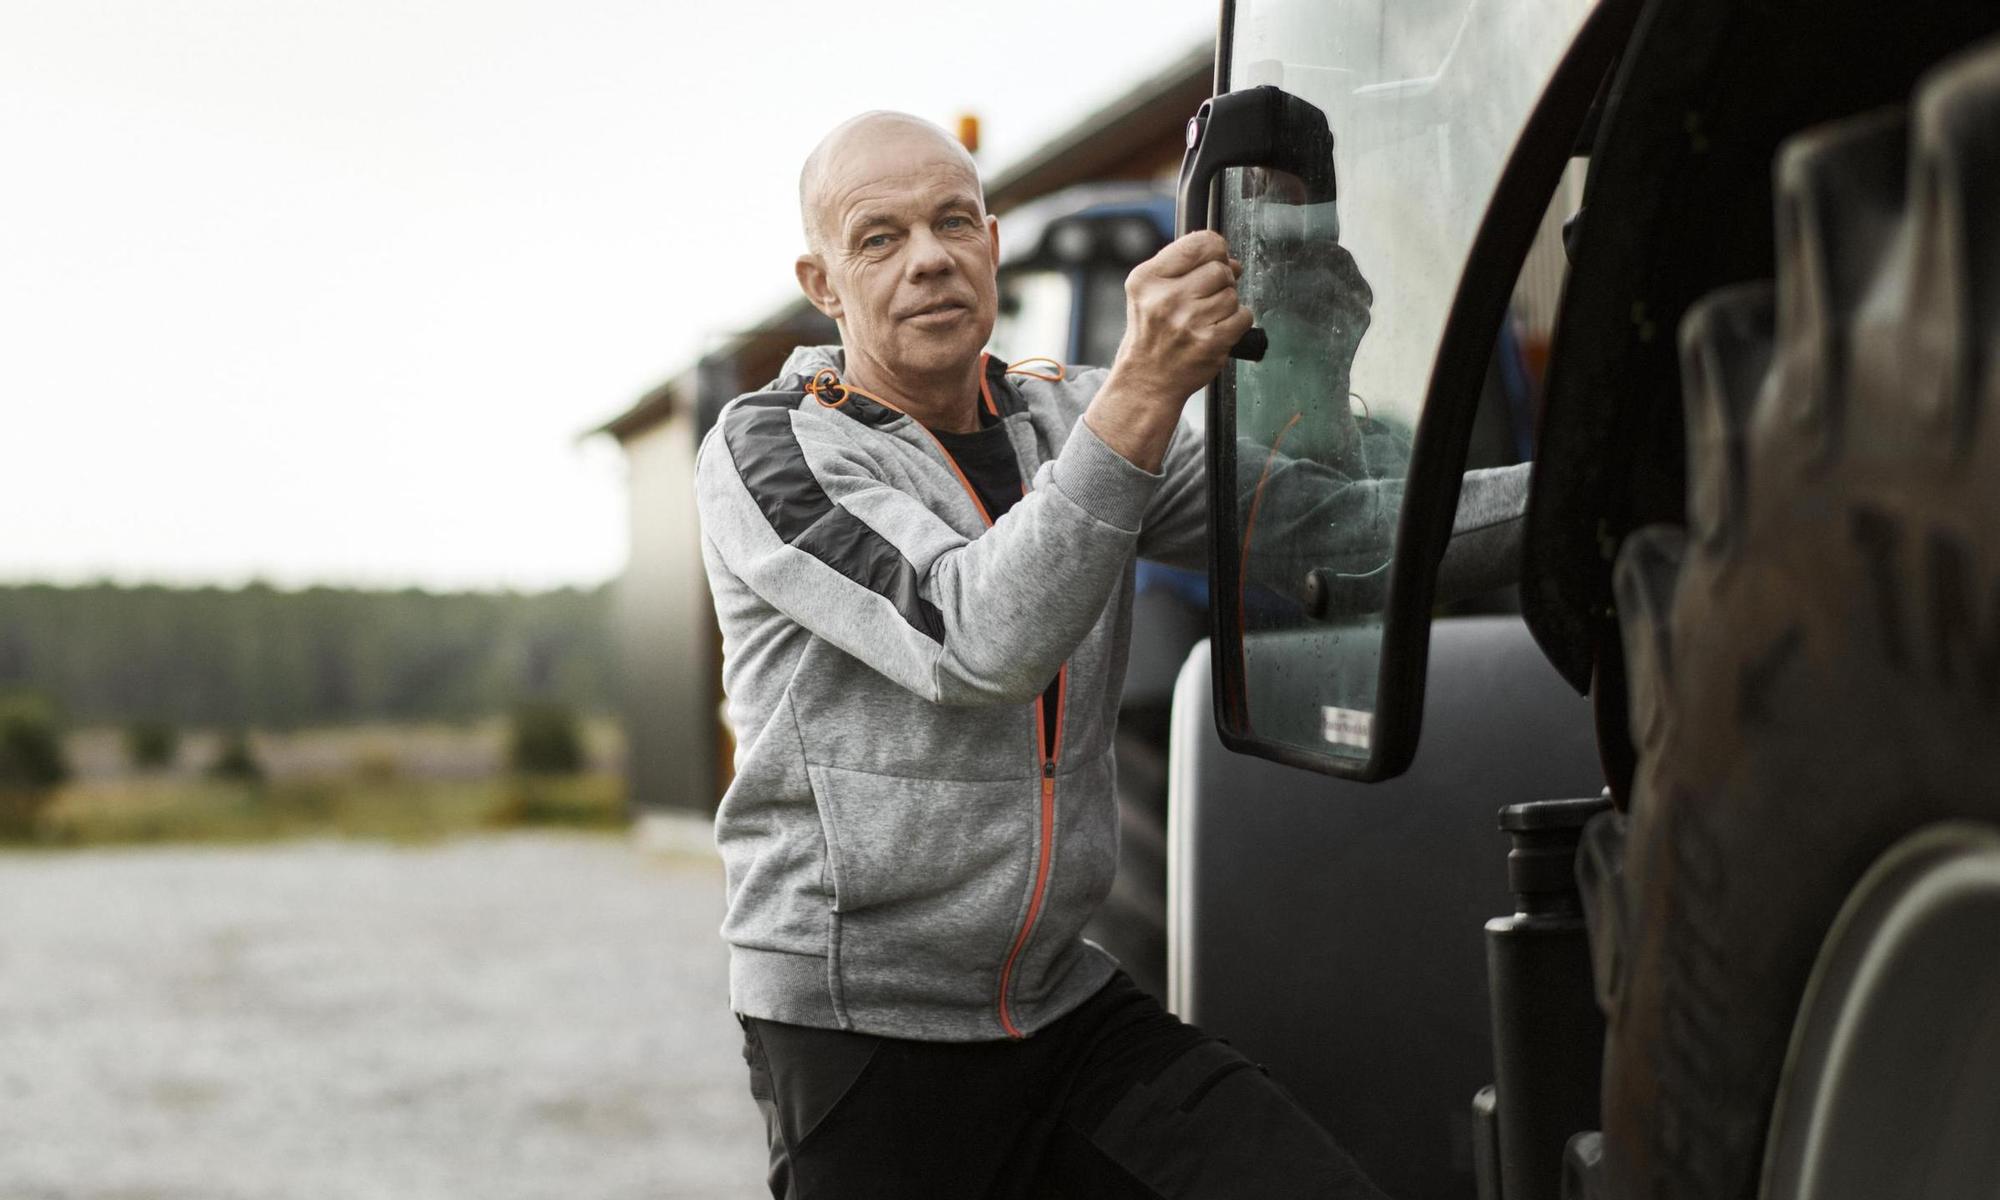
(667, 627)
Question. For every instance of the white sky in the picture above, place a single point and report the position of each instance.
(324, 292)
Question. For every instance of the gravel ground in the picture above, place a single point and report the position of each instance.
(531, 1016)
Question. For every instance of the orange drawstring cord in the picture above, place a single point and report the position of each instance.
(1257, 499)
(826, 381)
(1019, 368)
(1243, 561)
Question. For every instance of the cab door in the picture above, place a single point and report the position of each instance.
(1367, 145)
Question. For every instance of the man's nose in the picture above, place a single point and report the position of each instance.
(927, 255)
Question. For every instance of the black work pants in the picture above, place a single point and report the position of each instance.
(1116, 1099)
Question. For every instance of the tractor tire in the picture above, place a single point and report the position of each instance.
(1814, 663)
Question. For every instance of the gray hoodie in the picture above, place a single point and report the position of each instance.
(906, 854)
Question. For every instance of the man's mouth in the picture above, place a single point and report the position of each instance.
(938, 312)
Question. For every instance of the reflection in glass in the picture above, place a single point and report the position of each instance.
(1319, 475)
(1425, 98)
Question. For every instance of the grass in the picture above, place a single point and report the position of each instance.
(409, 783)
(149, 810)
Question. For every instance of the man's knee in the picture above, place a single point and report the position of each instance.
(1213, 1123)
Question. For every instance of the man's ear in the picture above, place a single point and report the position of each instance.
(811, 272)
(993, 238)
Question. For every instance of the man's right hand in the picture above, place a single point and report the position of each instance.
(1181, 318)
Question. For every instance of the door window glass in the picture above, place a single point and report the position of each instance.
(1425, 99)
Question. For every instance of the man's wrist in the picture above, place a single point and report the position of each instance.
(1103, 482)
(1134, 417)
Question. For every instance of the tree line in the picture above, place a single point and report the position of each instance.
(266, 657)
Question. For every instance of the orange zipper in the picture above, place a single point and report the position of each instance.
(1046, 846)
(1045, 753)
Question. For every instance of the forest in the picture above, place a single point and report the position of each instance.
(277, 659)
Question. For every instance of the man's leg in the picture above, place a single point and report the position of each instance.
(1155, 1108)
(850, 1115)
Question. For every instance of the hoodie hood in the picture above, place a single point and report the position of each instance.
(802, 362)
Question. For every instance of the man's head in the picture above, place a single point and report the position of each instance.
(900, 251)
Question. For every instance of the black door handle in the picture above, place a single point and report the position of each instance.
(1256, 127)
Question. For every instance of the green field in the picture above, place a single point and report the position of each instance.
(144, 811)
(402, 783)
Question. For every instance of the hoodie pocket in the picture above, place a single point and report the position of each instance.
(930, 878)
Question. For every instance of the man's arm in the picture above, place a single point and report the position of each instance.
(816, 534)
(1174, 530)
(984, 620)
(1182, 316)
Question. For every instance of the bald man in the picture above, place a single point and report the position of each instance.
(922, 567)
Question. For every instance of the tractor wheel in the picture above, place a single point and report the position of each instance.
(1814, 663)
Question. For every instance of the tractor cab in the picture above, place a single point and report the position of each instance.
(1677, 871)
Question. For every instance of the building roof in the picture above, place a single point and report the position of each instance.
(1121, 140)
(1116, 141)
(650, 409)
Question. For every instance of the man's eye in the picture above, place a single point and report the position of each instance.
(956, 222)
(875, 241)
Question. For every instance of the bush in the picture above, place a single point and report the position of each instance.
(236, 759)
(544, 739)
(31, 744)
(378, 764)
(595, 801)
(32, 762)
(151, 744)
(21, 812)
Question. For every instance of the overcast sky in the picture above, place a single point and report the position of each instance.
(325, 292)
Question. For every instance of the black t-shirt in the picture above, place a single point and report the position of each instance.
(986, 458)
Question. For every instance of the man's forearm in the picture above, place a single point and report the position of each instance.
(1182, 315)
(1135, 419)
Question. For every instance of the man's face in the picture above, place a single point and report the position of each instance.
(907, 254)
